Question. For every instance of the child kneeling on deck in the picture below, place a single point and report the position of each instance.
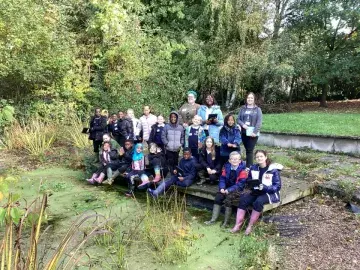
(265, 184)
(232, 182)
(184, 175)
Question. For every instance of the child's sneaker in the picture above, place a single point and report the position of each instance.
(129, 194)
(151, 192)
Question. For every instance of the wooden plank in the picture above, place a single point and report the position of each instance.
(292, 190)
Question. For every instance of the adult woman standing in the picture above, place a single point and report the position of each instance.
(250, 120)
(212, 118)
(188, 110)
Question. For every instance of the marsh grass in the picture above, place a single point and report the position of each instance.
(165, 230)
(72, 133)
(35, 138)
(38, 137)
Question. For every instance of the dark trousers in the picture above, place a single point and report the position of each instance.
(172, 159)
(96, 145)
(123, 167)
(227, 199)
(257, 202)
(195, 153)
(249, 144)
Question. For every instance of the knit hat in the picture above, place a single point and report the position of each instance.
(192, 92)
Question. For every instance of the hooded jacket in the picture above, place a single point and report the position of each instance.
(173, 134)
(226, 183)
(271, 181)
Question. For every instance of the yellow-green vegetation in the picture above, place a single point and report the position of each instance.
(164, 232)
(165, 228)
(18, 250)
(38, 136)
(318, 123)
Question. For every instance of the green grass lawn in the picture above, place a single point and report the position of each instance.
(337, 124)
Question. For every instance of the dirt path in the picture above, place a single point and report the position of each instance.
(318, 233)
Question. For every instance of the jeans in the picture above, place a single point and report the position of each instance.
(174, 180)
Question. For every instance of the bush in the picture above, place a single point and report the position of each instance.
(6, 114)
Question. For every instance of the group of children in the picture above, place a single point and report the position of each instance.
(123, 149)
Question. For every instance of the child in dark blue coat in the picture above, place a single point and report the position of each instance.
(232, 182)
(265, 191)
(156, 133)
(230, 138)
(187, 165)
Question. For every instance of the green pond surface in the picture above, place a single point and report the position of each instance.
(210, 247)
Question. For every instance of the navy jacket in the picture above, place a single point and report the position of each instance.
(271, 181)
(155, 134)
(98, 126)
(225, 181)
(188, 166)
(157, 160)
(229, 135)
(215, 164)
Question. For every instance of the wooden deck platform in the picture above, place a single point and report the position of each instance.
(292, 190)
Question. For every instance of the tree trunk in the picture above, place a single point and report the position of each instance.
(324, 92)
(291, 89)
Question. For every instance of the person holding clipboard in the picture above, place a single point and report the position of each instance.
(212, 118)
(250, 120)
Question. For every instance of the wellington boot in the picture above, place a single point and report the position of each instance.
(240, 215)
(215, 215)
(228, 212)
(254, 217)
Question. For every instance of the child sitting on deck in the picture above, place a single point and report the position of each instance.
(125, 160)
(184, 175)
(210, 162)
(265, 184)
(232, 182)
(138, 167)
(108, 159)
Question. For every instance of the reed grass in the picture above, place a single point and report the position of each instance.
(165, 229)
(16, 220)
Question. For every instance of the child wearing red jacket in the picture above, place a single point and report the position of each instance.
(232, 182)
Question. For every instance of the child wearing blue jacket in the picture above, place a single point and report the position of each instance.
(266, 190)
(230, 138)
(232, 182)
(187, 165)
